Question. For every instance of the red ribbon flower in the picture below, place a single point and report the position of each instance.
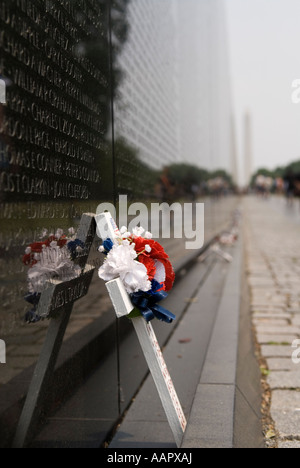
(37, 247)
(149, 253)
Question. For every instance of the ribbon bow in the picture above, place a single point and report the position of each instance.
(32, 316)
(147, 303)
(73, 246)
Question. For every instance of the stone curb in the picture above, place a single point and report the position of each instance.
(226, 409)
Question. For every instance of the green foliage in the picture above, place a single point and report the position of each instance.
(187, 174)
(279, 172)
(223, 174)
(262, 172)
(133, 177)
(137, 180)
(294, 168)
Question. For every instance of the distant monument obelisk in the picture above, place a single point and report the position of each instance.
(234, 157)
(248, 163)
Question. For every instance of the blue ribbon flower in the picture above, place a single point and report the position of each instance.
(108, 245)
(33, 298)
(32, 316)
(147, 303)
(73, 245)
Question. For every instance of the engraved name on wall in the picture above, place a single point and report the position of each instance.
(54, 126)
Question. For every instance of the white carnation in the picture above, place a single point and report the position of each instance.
(138, 231)
(121, 262)
(59, 233)
(53, 262)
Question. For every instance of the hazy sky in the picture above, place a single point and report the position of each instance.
(264, 40)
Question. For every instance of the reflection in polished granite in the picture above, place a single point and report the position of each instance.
(101, 96)
(24, 341)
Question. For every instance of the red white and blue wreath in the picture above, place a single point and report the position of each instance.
(52, 258)
(145, 270)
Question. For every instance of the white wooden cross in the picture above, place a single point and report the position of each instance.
(218, 251)
(123, 306)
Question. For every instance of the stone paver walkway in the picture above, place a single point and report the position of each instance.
(273, 265)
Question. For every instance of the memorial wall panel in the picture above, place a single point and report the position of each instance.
(103, 98)
(55, 135)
